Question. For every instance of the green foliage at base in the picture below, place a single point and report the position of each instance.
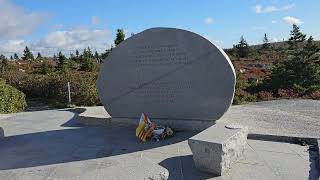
(241, 95)
(11, 99)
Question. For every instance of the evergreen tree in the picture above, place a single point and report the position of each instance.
(3, 63)
(27, 54)
(310, 47)
(296, 37)
(242, 48)
(44, 69)
(302, 67)
(72, 57)
(54, 57)
(86, 60)
(39, 56)
(266, 43)
(15, 56)
(87, 64)
(2, 57)
(77, 53)
(77, 56)
(97, 56)
(120, 37)
(89, 53)
(11, 58)
(61, 61)
(311, 54)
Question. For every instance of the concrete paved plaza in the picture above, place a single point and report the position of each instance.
(52, 145)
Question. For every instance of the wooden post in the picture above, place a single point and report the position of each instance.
(69, 93)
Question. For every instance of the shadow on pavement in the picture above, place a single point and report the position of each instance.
(74, 143)
(182, 167)
(314, 162)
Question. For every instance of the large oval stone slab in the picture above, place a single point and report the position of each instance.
(170, 74)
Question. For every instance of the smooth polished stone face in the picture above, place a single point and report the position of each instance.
(170, 74)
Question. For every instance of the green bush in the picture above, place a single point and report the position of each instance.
(314, 88)
(53, 86)
(83, 88)
(11, 99)
(241, 95)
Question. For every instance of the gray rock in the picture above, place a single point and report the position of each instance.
(171, 74)
(1, 132)
(217, 148)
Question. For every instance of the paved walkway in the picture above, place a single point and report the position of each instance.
(52, 145)
(282, 117)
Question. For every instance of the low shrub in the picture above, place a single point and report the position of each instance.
(241, 97)
(11, 99)
(315, 95)
(265, 95)
(241, 94)
(53, 86)
(287, 93)
(314, 88)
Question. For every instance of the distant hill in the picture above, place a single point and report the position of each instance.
(275, 45)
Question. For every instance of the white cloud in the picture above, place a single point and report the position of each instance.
(66, 41)
(317, 37)
(128, 33)
(292, 20)
(76, 38)
(274, 21)
(268, 9)
(16, 22)
(9, 47)
(208, 20)
(95, 20)
(214, 41)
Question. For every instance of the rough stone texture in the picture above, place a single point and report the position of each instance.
(217, 148)
(170, 74)
(1, 132)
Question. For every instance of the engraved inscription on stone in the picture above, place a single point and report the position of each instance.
(158, 55)
(168, 73)
(163, 92)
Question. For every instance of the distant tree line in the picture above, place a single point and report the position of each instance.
(300, 70)
(295, 71)
(84, 61)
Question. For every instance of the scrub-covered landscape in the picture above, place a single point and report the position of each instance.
(268, 71)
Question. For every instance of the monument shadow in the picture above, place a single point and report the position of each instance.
(75, 143)
(183, 167)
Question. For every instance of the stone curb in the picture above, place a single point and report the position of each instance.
(279, 138)
(85, 117)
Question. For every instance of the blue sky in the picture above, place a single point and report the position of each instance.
(66, 25)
